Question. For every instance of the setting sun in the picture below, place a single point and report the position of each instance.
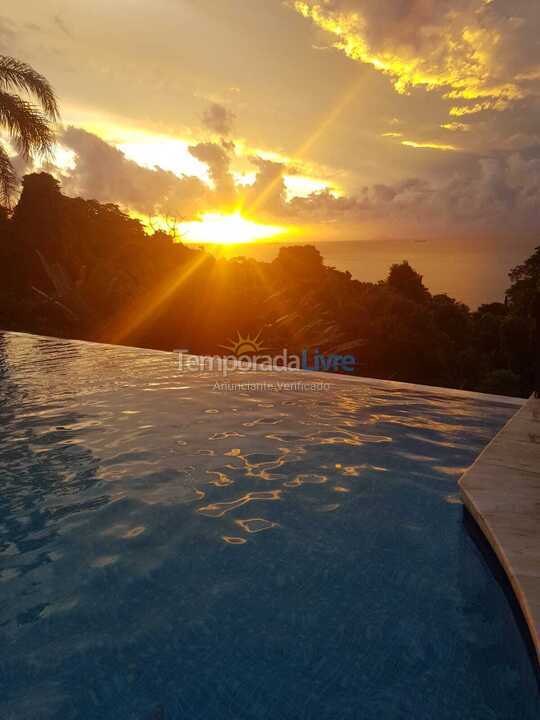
(269, 359)
(219, 229)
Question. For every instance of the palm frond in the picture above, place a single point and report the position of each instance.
(8, 178)
(21, 76)
(26, 124)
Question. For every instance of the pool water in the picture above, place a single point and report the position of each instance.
(170, 549)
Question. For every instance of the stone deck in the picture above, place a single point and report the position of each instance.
(502, 492)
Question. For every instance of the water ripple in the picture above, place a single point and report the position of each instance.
(162, 543)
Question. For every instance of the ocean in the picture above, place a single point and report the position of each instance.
(473, 275)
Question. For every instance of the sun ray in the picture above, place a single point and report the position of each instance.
(142, 310)
(327, 121)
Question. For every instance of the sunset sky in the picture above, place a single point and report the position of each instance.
(349, 119)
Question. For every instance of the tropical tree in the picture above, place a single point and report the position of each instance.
(27, 121)
(407, 282)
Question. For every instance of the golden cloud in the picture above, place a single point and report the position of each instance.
(456, 127)
(428, 145)
(455, 48)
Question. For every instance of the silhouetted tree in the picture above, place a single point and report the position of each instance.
(28, 125)
(4, 223)
(300, 262)
(500, 382)
(494, 308)
(80, 268)
(525, 280)
(407, 282)
(452, 317)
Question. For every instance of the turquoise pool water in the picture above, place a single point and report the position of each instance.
(173, 550)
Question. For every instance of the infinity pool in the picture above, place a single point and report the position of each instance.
(172, 549)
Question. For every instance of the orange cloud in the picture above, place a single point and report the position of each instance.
(456, 48)
(428, 145)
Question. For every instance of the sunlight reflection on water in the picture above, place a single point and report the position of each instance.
(162, 542)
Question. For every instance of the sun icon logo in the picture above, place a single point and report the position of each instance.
(245, 345)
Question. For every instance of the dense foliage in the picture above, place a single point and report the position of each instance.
(77, 268)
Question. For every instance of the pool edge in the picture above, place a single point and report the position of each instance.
(446, 392)
(501, 491)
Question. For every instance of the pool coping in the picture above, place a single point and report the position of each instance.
(501, 490)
